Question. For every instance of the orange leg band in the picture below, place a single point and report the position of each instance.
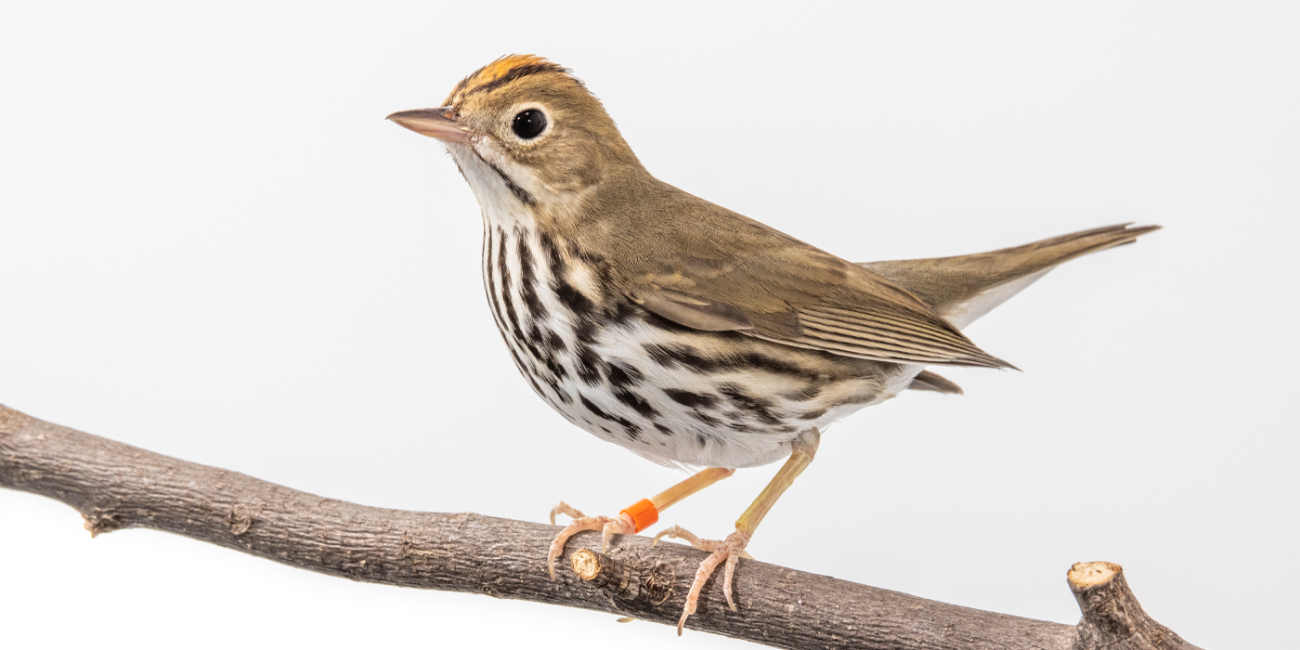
(643, 513)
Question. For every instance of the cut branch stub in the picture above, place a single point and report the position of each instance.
(626, 579)
(1112, 617)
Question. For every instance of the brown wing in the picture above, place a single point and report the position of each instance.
(716, 270)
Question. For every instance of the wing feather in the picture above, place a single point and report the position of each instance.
(703, 266)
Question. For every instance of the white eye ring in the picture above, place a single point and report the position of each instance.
(513, 122)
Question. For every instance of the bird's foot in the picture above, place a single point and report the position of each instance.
(729, 550)
(621, 525)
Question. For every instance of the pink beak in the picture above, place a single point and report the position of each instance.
(434, 122)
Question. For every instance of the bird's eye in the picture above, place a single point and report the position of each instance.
(529, 124)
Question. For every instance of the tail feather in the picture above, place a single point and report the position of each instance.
(965, 287)
(930, 381)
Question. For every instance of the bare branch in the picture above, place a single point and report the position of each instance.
(114, 485)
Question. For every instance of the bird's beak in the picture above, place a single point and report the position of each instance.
(437, 123)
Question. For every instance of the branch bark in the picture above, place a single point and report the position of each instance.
(114, 486)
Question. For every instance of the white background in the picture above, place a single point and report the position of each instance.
(213, 246)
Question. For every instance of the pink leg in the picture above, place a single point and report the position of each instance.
(731, 549)
(632, 520)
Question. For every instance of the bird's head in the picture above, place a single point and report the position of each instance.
(528, 137)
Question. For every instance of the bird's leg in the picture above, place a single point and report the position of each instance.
(633, 519)
(731, 549)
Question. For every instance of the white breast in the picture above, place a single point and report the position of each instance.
(668, 394)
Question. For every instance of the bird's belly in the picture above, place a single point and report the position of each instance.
(669, 394)
(708, 399)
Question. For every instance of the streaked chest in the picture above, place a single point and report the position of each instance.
(669, 394)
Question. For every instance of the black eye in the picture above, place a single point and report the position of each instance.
(529, 124)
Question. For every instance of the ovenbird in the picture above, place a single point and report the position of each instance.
(678, 329)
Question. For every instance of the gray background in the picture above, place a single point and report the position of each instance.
(214, 247)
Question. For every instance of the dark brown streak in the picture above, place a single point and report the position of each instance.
(516, 335)
(580, 305)
(552, 252)
(528, 280)
(520, 193)
(553, 342)
(541, 345)
(707, 419)
(514, 74)
(633, 431)
(589, 365)
(672, 355)
(688, 398)
(636, 403)
(537, 344)
(623, 376)
(749, 404)
(503, 270)
(494, 300)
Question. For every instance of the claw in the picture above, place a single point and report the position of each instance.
(563, 508)
(677, 532)
(732, 560)
(609, 526)
(729, 550)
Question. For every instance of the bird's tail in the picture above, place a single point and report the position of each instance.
(965, 287)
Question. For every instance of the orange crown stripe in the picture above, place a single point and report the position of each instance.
(503, 70)
(502, 67)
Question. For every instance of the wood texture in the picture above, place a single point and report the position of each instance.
(1112, 617)
(114, 486)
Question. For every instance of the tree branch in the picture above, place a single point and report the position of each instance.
(114, 486)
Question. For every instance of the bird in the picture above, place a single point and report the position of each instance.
(685, 332)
